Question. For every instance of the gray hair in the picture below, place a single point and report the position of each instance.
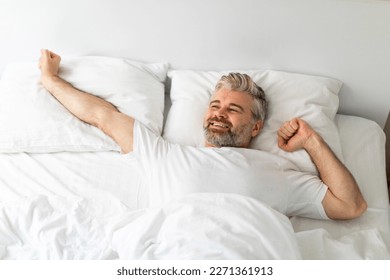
(244, 83)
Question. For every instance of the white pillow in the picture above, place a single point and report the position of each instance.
(31, 120)
(312, 98)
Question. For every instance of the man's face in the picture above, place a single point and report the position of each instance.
(229, 120)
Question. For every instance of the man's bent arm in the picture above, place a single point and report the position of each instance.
(343, 199)
(87, 107)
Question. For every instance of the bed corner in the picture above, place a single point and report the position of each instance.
(387, 132)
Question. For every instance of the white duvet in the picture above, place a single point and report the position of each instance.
(199, 226)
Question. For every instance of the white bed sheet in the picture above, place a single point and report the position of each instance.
(90, 175)
(82, 205)
(60, 205)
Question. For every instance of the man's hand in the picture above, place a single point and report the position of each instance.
(49, 64)
(294, 135)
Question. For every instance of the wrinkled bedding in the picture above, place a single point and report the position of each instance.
(201, 226)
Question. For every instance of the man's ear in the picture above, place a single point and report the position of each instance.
(257, 128)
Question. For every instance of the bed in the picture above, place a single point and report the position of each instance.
(66, 192)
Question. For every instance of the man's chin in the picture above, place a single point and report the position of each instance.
(217, 136)
(218, 139)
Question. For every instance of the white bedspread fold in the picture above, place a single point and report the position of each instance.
(198, 226)
(208, 226)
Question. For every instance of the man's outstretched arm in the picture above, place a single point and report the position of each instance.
(87, 107)
(343, 199)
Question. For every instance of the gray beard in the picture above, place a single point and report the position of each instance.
(231, 138)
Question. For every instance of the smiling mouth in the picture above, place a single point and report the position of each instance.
(218, 124)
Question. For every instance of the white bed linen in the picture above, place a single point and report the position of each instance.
(83, 206)
(207, 226)
(90, 175)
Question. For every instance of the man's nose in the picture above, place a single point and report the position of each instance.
(221, 113)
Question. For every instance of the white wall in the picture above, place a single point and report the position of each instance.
(347, 40)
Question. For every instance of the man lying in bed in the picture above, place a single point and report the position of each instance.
(235, 115)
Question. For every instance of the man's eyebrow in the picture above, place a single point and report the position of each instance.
(216, 101)
(238, 106)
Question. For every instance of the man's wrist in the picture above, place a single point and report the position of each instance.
(313, 143)
(48, 81)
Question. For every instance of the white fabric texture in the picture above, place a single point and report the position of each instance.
(94, 176)
(312, 98)
(194, 227)
(172, 171)
(33, 121)
(207, 226)
(367, 237)
(56, 227)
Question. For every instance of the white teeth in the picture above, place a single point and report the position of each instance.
(220, 125)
